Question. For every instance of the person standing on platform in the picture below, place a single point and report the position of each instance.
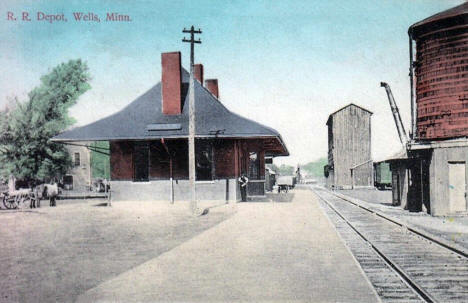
(243, 180)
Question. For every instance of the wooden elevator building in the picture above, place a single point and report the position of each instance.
(349, 148)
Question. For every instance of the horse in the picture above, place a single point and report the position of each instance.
(51, 191)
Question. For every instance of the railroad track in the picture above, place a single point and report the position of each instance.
(402, 265)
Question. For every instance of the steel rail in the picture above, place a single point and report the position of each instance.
(410, 228)
(401, 273)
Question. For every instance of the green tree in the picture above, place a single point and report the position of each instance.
(286, 170)
(315, 168)
(283, 169)
(100, 164)
(26, 151)
(273, 167)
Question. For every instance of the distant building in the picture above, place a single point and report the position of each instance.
(79, 176)
(90, 161)
(349, 148)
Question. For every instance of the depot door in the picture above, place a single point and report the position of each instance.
(396, 188)
(457, 183)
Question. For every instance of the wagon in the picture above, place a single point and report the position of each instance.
(13, 199)
(285, 183)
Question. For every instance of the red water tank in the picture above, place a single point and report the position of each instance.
(441, 70)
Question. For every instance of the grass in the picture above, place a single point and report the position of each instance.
(55, 254)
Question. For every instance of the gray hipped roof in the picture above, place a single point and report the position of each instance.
(143, 119)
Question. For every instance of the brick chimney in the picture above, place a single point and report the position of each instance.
(171, 80)
(198, 72)
(212, 86)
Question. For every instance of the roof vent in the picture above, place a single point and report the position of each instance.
(162, 126)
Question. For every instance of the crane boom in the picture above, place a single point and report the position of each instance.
(396, 115)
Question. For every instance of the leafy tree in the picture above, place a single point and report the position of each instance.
(273, 167)
(286, 170)
(100, 165)
(315, 168)
(283, 169)
(25, 149)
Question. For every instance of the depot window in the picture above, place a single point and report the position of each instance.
(254, 166)
(204, 160)
(77, 160)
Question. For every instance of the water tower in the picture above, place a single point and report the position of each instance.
(441, 74)
(438, 152)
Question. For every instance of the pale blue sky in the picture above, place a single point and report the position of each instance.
(287, 64)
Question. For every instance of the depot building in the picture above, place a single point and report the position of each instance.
(148, 142)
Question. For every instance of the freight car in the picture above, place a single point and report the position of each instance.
(382, 175)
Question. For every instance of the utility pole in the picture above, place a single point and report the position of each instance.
(191, 140)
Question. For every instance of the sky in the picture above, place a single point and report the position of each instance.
(285, 64)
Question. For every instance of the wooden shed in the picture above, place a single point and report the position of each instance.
(349, 148)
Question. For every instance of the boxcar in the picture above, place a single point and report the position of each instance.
(382, 175)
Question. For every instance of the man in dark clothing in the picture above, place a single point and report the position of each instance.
(243, 180)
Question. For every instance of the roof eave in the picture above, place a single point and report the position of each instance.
(234, 136)
(346, 106)
(458, 12)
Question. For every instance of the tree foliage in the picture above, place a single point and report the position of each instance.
(286, 170)
(282, 170)
(273, 167)
(100, 164)
(315, 168)
(26, 151)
